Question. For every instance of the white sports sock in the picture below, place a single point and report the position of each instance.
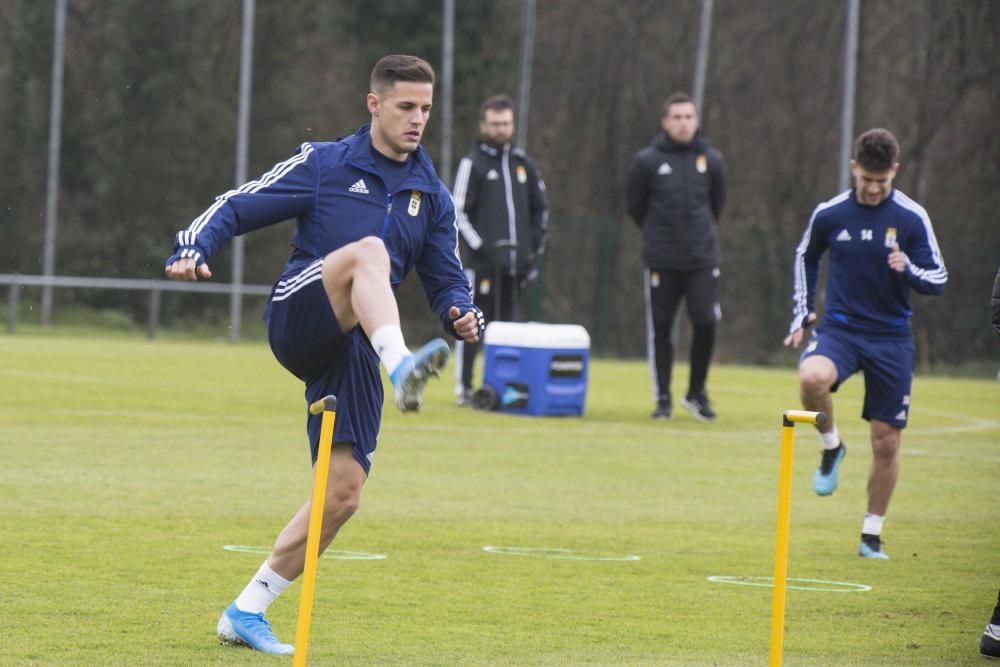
(263, 588)
(390, 346)
(872, 525)
(830, 439)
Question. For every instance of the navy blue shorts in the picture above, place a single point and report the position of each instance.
(306, 339)
(887, 365)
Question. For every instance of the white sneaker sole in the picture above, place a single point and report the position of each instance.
(226, 634)
(228, 637)
(410, 397)
(693, 407)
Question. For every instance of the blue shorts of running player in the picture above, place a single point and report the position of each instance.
(887, 364)
(307, 340)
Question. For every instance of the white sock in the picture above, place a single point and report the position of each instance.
(830, 439)
(872, 525)
(263, 588)
(390, 346)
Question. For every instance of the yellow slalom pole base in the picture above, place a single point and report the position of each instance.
(789, 419)
(327, 407)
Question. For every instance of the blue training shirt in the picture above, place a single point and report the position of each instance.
(338, 195)
(863, 293)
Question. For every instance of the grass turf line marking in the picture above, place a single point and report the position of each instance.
(329, 554)
(970, 424)
(768, 582)
(558, 554)
(949, 455)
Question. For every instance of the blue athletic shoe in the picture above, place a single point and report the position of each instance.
(825, 477)
(253, 630)
(871, 547)
(409, 378)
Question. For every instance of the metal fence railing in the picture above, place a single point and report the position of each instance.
(16, 281)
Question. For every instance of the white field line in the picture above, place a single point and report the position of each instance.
(768, 582)
(949, 455)
(559, 553)
(144, 414)
(969, 425)
(135, 379)
(329, 554)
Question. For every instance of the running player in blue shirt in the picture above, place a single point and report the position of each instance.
(881, 245)
(368, 209)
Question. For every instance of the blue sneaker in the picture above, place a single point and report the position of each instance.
(240, 627)
(825, 477)
(409, 378)
(871, 547)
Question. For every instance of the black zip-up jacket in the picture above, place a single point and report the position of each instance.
(500, 201)
(675, 193)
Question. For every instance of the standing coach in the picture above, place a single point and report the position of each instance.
(676, 189)
(503, 220)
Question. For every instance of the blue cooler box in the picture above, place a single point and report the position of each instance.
(537, 369)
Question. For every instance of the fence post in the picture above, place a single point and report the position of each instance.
(607, 249)
(154, 312)
(13, 303)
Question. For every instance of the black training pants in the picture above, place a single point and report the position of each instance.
(498, 303)
(664, 290)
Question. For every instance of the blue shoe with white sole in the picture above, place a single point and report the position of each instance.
(253, 630)
(825, 477)
(871, 547)
(409, 378)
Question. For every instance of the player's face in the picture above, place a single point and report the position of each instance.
(681, 122)
(872, 187)
(497, 126)
(399, 117)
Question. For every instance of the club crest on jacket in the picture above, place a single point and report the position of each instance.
(414, 206)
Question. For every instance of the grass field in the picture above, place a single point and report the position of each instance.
(127, 466)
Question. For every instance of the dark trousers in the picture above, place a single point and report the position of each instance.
(498, 303)
(664, 291)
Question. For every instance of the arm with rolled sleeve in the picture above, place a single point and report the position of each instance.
(441, 274)
(286, 191)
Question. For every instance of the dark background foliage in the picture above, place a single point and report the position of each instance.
(150, 126)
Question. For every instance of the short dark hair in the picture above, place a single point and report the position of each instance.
(495, 103)
(677, 98)
(391, 69)
(876, 149)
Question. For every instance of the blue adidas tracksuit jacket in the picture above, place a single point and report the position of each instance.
(863, 293)
(337, 196)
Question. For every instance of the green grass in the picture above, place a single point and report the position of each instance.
(128, 464)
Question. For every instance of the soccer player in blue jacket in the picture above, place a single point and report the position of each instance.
(368, 209)
(881, 245)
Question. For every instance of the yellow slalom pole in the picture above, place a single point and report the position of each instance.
(788, 421)
(326, 406)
